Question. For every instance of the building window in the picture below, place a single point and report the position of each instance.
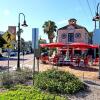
(78, 35)
(70, 37)
(63, 36)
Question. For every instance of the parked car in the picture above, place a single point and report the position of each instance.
(13, 54)
(28, 52)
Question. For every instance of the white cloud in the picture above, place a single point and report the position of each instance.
(6, 12)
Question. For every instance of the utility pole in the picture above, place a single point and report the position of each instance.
(97, 19)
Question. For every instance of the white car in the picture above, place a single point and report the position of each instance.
(13, 54)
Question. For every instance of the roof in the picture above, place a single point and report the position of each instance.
(76, 27)
(72, 19)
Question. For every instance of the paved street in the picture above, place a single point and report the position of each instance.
(13, 61)
(94, 84)
(27, 61)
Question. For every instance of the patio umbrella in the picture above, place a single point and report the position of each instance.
(80, 45)
(94, 46)
(43, 45)
(53, 45)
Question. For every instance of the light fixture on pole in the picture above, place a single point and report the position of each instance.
(19, 36)
(97, 18)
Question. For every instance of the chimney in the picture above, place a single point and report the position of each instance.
(72, 21)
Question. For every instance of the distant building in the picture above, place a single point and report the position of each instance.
(72, 33)
(1, 32)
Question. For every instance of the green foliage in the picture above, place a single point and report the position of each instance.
(49, 27)
(27, 93)
(44, 50)
(58, 82)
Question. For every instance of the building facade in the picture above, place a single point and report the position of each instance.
(72, 33)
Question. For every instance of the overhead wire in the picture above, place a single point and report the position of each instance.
(95, 5)
(83, 9)
(90, 8)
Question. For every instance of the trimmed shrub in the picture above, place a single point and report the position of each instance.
(58, 82)
(28, 93)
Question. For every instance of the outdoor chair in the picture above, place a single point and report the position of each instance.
(72, 61)
(45, 59)
(61, 60)
(77, 62)
(96, 61)
(55, 61)
(86, 61)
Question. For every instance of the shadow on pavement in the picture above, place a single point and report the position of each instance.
(91, 82)
(84, 68)
(5, 58)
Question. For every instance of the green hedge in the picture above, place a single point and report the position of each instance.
(27, 93)
(58, 82)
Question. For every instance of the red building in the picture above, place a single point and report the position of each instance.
(72, 33)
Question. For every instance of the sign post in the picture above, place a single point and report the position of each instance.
(8, 58)
(99, 62)
(35, 32)
(8, 37)
(96, 40)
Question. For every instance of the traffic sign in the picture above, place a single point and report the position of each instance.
(8, 45)
(8, 37)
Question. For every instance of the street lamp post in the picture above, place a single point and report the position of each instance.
(97, 18)
(19, 36)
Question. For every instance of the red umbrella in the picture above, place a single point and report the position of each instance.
(94, 46)
(43, 45)
(79, 45)
(53, 45)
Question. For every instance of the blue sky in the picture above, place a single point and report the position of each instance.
(39, 11)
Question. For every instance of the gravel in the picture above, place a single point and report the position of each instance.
(92, 94)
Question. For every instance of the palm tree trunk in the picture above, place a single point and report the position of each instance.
(51, 51)
(50, 40)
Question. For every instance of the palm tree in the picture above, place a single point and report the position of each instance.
(49, 28)
(42, 41)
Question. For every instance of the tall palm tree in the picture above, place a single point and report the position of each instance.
(49, 28)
